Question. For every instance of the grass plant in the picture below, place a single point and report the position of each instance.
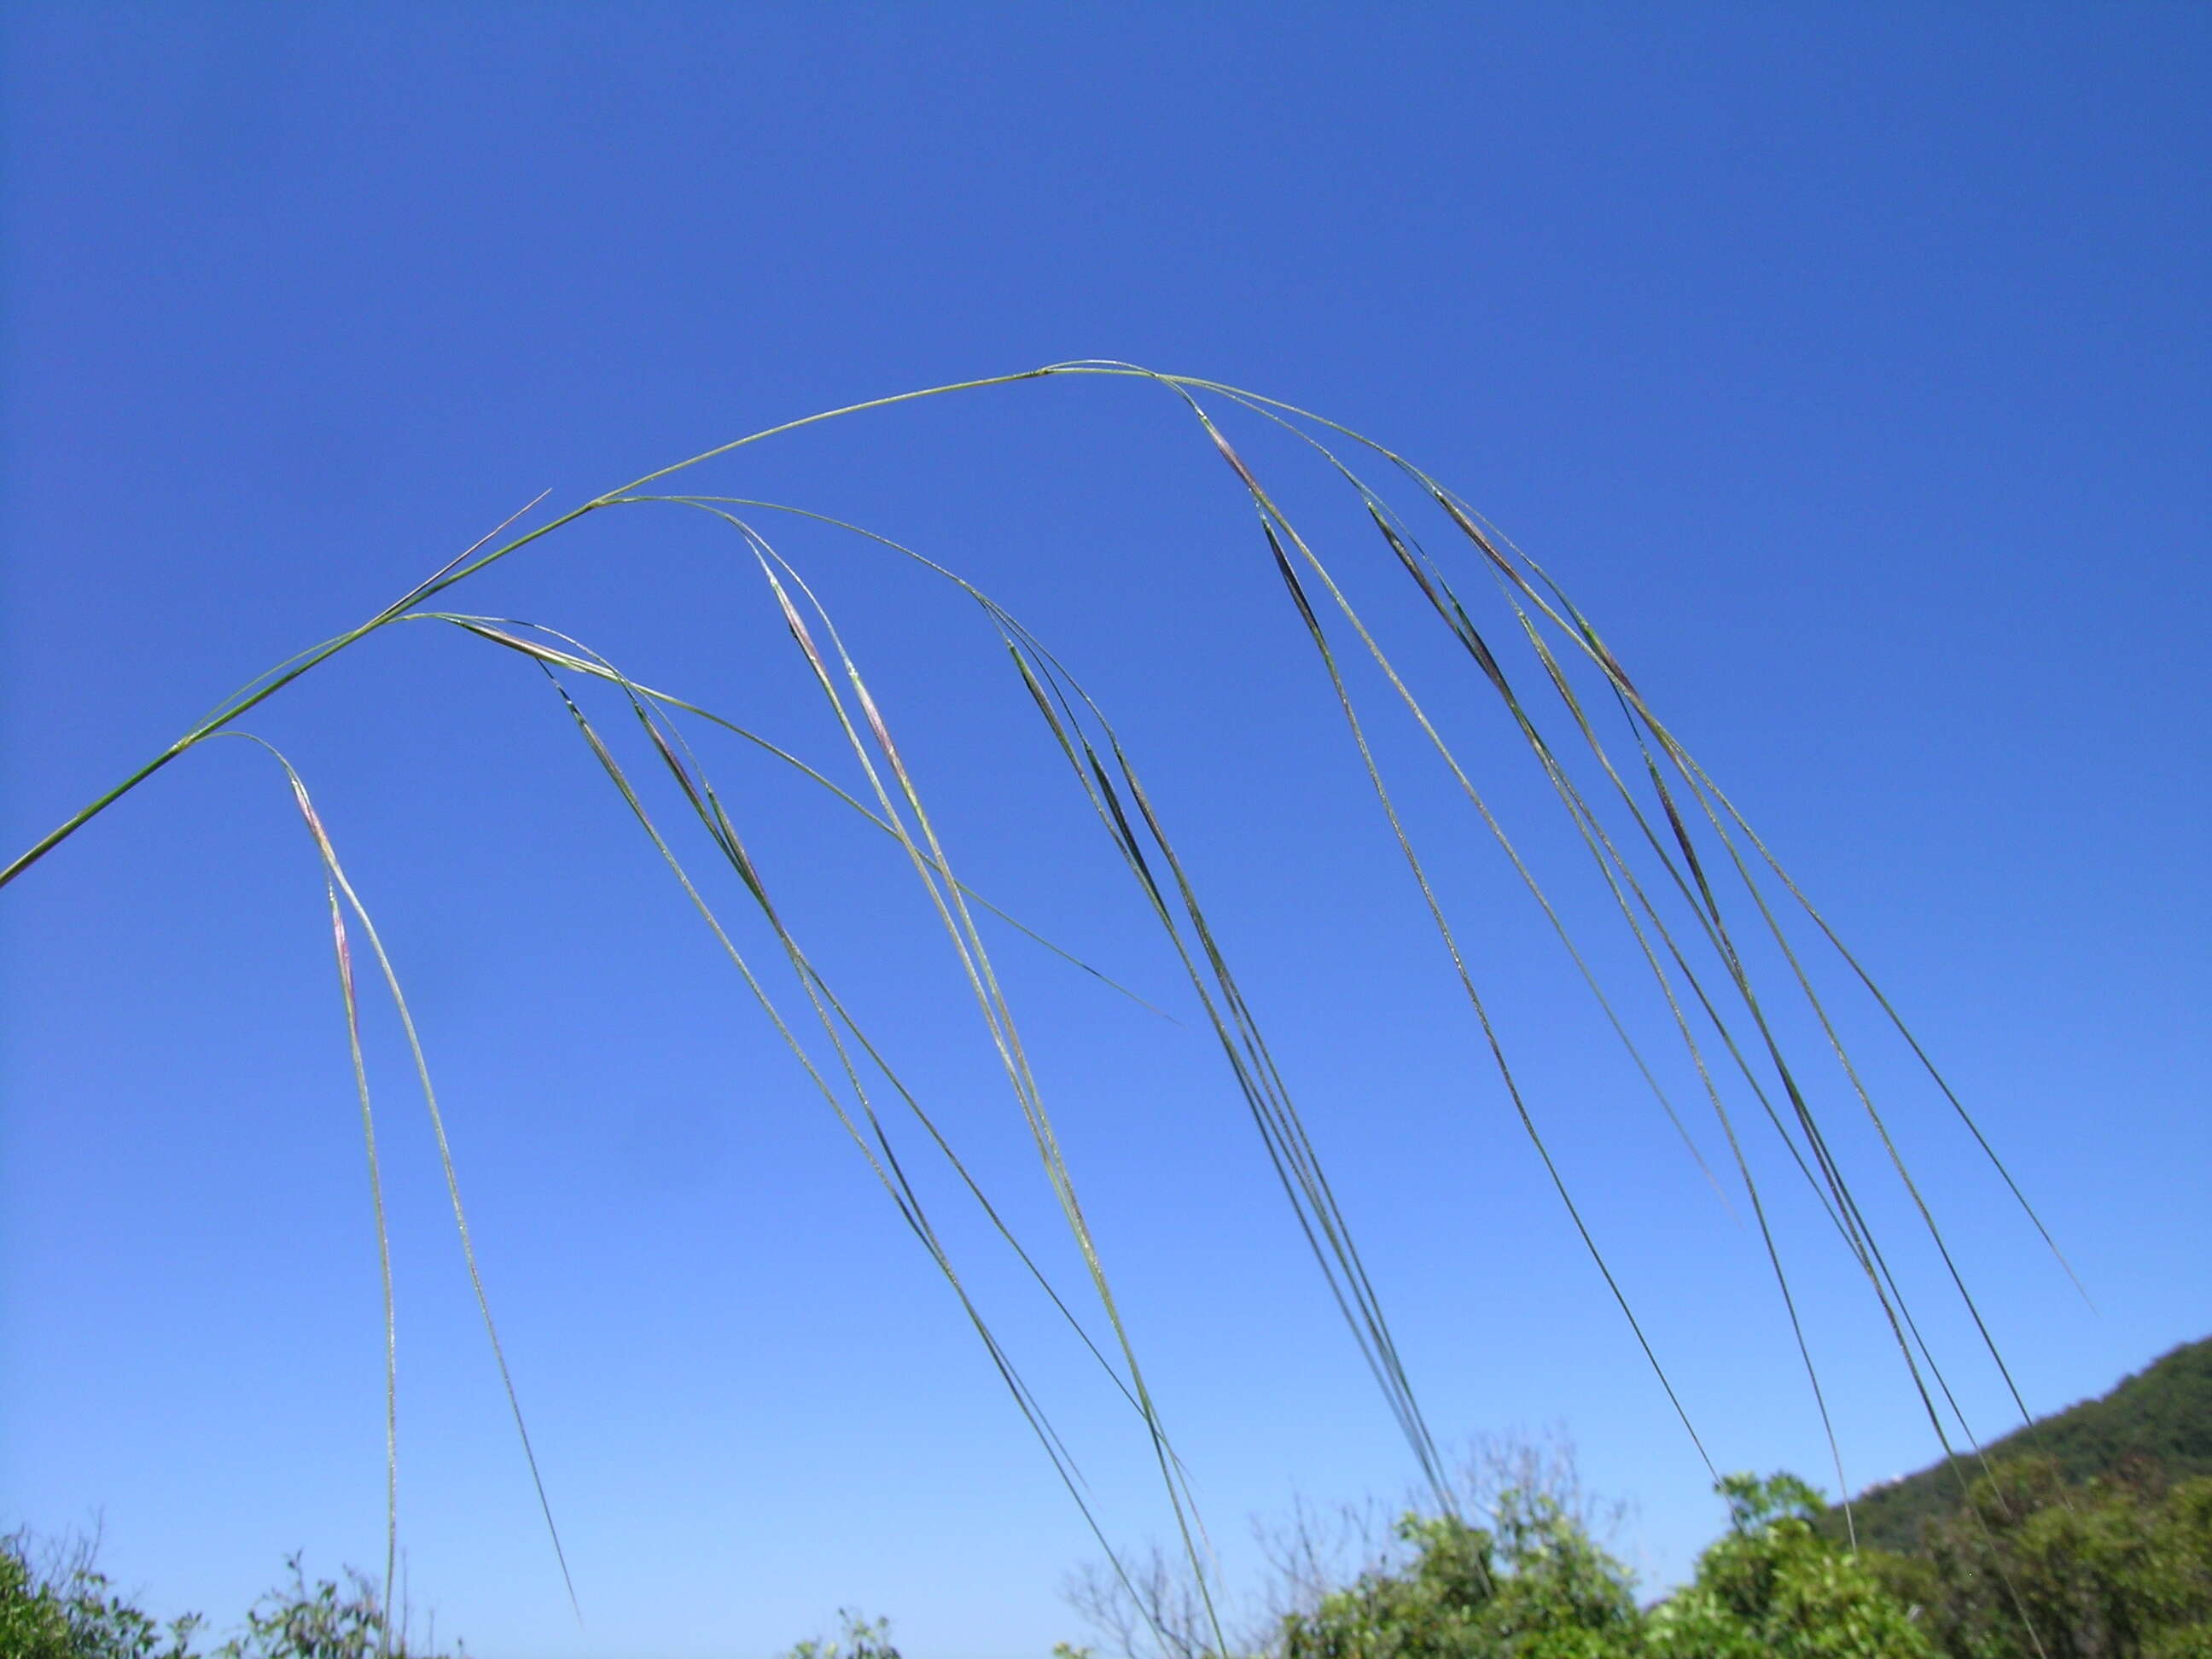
(1732, 958)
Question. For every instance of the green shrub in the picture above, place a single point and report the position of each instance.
(863, 1638)
(1774, 1589)
(1537, 1588)
(295, 1621)
(2117, 1568)
(65, 1609)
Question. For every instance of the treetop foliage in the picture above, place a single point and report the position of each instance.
(2161, 1417)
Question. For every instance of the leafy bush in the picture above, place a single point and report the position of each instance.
(2117, 1568)
(1774, 1589)
(863, 1638)
(2162, 1416)
(65, 1609)
(1537, 1588)
(2033, 1568)
(296, 1622)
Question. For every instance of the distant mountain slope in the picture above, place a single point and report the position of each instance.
(2163, 1414)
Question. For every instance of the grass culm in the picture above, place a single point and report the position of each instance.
(1728, 1014)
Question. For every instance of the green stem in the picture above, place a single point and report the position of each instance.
(438, 584)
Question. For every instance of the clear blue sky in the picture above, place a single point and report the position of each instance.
(1847, 363)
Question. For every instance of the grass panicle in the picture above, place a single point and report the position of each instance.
(1728, 956)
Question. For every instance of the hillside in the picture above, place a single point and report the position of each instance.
(2163, 1415)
